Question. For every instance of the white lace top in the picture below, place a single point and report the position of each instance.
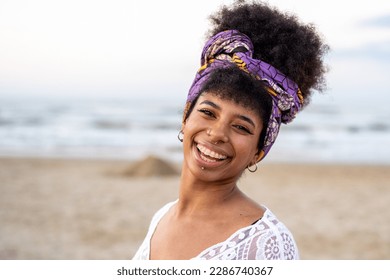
(267, 239)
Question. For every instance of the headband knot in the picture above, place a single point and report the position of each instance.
(233, 47)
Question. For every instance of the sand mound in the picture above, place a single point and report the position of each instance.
(151, 166)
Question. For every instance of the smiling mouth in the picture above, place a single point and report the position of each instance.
(209, 155)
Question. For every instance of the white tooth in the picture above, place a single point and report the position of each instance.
(207, 159)
(210, 153)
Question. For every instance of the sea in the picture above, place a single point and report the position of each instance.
(130, 128)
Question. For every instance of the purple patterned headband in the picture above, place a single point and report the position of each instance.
(232, 46)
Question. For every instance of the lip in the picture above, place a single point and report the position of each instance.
(207, 163)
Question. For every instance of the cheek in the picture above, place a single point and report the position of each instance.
(246, 147)
(193, 124)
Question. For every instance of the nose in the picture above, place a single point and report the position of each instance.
(218, 133)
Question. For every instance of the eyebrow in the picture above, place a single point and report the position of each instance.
(242, 117)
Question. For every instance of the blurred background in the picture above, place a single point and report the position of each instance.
(107, 80)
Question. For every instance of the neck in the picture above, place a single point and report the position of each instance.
(199, 196)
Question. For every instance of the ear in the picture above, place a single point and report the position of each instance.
(186, 109)
(257, 157)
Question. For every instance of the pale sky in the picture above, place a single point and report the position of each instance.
(124, 47)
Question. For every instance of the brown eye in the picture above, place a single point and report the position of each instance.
(206, 112)
(243, 128)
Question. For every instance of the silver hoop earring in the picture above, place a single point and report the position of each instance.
(180, 136)
(253, 170)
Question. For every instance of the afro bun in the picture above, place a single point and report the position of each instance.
(280, 39)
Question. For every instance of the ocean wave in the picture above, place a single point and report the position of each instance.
(134, 128)
(111, 125)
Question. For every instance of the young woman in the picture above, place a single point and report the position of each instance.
(257, 71)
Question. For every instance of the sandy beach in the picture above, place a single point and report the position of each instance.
(95, 209)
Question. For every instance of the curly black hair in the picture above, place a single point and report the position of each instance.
(280, 39)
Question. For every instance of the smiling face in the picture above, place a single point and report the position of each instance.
(220, 138)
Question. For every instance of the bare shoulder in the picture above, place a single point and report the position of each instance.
(248, 209)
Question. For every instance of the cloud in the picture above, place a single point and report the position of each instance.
(379, 51)
(380, 22)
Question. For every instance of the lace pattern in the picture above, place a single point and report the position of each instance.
(267, 239)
